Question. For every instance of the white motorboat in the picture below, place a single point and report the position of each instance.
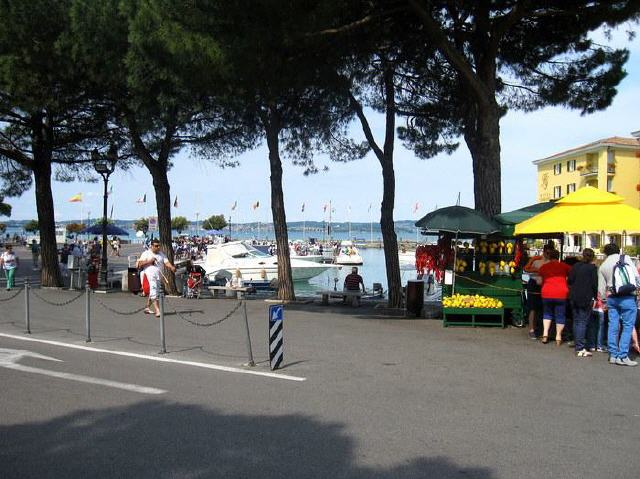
(306, 252)
(348, 254)
(223, 259)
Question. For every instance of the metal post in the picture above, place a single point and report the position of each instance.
(246, 325)
(26, 305)
(163, 348)
(88, 312)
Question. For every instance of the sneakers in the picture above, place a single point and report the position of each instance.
(602, 350)
(532, 335)
(612, 360)
(626, 362)
(584, 354)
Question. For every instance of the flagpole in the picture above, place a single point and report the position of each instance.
(304, 223)
(370, 226)
(349, 218)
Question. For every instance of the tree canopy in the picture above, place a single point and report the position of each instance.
(215, 222)
(31, 226)
(179, 223)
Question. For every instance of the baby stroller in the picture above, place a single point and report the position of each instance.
(193, 285)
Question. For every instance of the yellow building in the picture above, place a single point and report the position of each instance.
(611, 164)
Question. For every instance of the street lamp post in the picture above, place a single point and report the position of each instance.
(104, 166)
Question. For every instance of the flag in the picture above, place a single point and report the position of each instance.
(349, 209)
(142, 199)
(110, 190)
(256, 205)
(76, 198)
(233, 207)
(416, 207)
(111, 215)
(325, 207)
(175, 202)
(302, 208)
(369, 210)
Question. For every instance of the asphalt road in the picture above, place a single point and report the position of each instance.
(381, 398)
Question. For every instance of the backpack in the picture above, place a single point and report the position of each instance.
(623, 278)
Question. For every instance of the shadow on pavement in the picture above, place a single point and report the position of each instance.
(159, 439)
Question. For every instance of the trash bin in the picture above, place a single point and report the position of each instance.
(133, 280)
(415, 297)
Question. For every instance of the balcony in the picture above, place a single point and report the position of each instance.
(587, 172)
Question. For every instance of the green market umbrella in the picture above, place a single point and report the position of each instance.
(458, 219)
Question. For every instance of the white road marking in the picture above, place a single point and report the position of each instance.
(9, 358)
(158, 359)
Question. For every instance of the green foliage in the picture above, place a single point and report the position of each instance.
(631, 250)
(141, 225)
(74, 228)
(5, 208)
(3, 227)
(215, 222)
(179, 223)
(31, 226)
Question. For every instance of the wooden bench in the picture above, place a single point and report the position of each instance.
(215, 289)
(353, 296)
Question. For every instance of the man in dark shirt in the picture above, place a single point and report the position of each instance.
(583, 290)
(353, 281)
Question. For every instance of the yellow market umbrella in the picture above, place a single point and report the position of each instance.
(588, 209)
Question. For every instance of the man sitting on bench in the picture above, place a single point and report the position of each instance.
(352, 283)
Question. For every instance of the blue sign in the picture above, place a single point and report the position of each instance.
(276, 313)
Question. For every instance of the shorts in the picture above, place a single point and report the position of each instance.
(150, 286)
(534, 298)
(555, 309)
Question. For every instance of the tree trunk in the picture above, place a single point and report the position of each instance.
(50, 273)
(389, 238)
(163, 204)
(285, 278)
(482, 135)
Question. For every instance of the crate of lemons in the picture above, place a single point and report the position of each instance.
(476, 301)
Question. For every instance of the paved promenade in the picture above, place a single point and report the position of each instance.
(360, 396)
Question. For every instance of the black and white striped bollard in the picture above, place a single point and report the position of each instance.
(276, 337)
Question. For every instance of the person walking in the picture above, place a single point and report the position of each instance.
(621, 305)
(152, 262)
(583, 291)
(9, 262)
(554, 295)
(35, 253)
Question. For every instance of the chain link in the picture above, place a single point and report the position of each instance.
(121, 313)
(53, 303)
(14, 295)
(207, 325)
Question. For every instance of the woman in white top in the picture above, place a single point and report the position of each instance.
(9, 262)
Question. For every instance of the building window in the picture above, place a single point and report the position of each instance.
(610, 184)
(571, 187)
(571, 165)
(557, 168)
(557, 192)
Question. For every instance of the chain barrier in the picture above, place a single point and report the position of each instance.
(53, 303)
(115, 311)
(207, 325)
(14, 295)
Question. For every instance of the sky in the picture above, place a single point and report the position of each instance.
(355, 189)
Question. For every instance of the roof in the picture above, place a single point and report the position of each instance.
(614, 141)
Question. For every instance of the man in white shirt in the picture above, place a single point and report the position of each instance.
(152, 262)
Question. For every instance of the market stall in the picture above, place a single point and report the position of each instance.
(479, 268)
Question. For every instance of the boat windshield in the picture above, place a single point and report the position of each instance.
(244, 250)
